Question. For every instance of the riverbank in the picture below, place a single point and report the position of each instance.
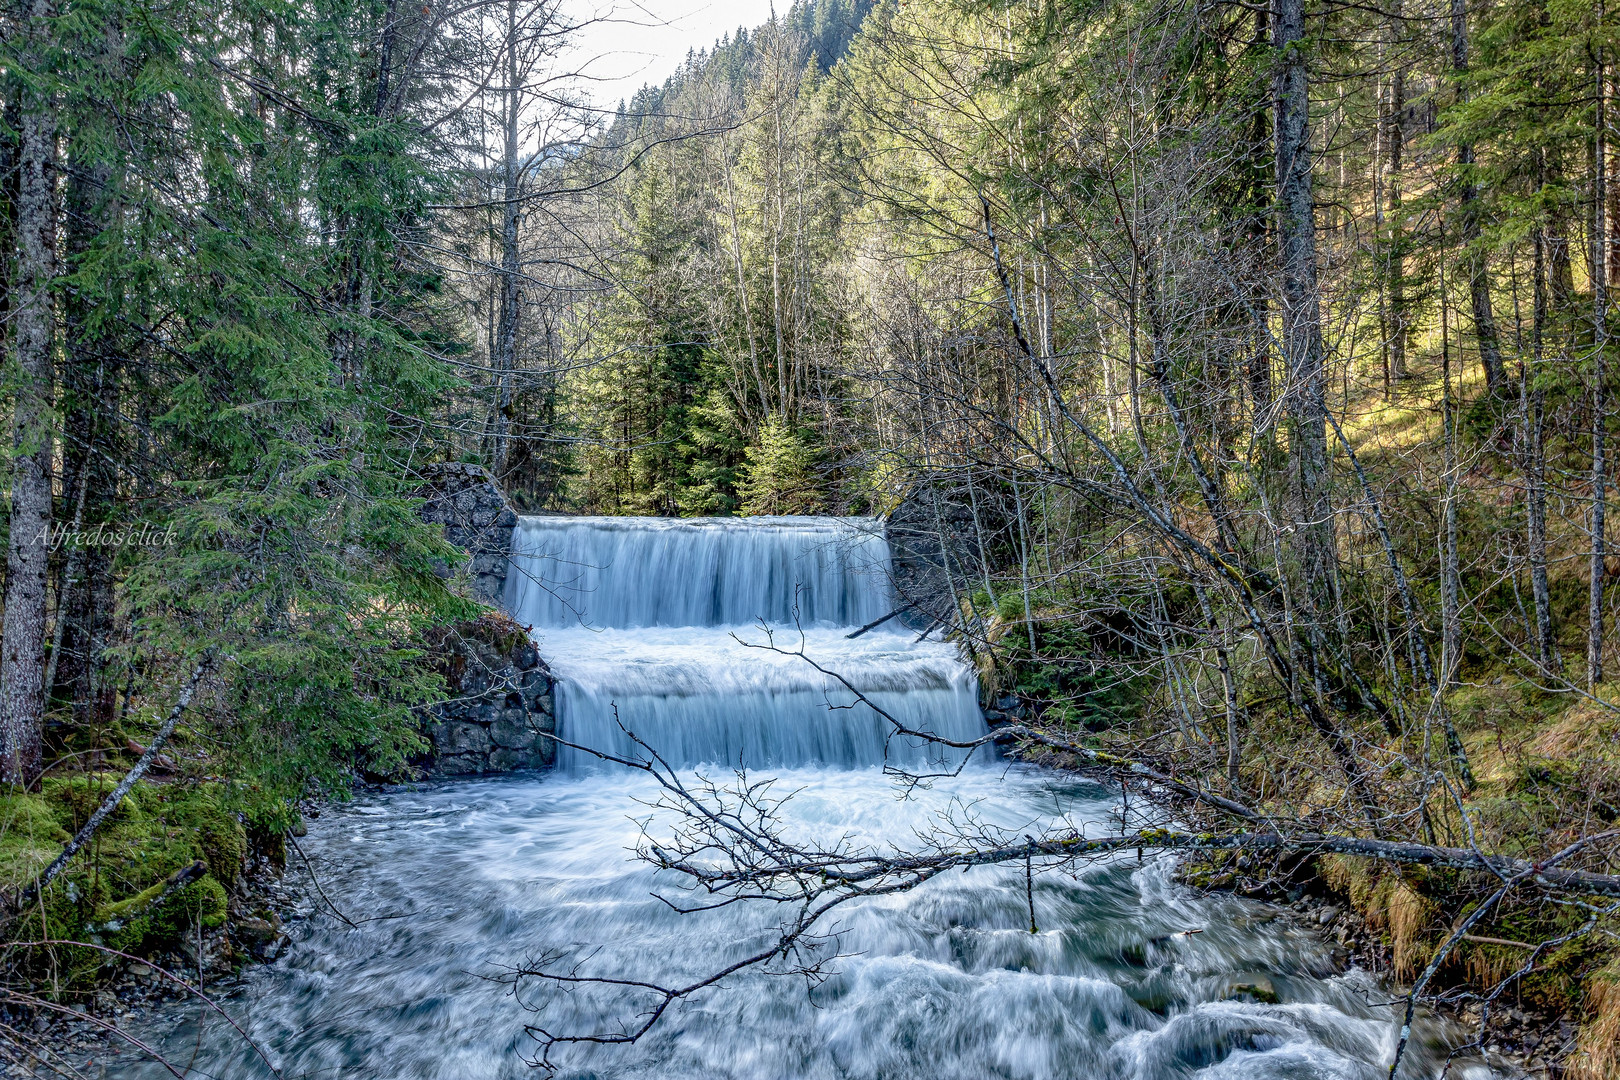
(94, 1033)
(1526, 1038)
(175, 893)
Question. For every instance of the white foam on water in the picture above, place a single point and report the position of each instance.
(694, 635)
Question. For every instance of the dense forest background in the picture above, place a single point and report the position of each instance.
(1253, 359)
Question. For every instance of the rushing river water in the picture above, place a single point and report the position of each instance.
(1128, 976)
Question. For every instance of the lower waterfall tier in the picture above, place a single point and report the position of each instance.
(721, 695)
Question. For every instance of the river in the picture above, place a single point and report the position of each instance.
(651, 626)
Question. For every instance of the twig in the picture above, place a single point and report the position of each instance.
(875, 623)
(310, 867)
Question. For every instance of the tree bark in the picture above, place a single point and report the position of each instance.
(1486, 336)
(1394, 238)
(1600, 341)
(505, 359)
(1450, 623)
(1260, 389)
(22, 634)
(89, 397)
(1301, 303)
(1535, 478)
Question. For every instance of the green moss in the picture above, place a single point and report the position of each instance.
(76, 798)
(224, 847)
(30, 837)
(151, 920)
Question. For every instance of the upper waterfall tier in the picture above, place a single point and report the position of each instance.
(623, 572)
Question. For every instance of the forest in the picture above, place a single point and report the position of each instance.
(1252, 359)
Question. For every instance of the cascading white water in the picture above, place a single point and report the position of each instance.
(695, 635)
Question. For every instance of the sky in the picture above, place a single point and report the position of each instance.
(644, 41)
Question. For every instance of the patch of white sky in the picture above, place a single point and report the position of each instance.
(627, 44)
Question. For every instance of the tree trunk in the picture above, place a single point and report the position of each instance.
(1600, 341)
(1486, 336)
(1536, 467)
(1260, 391)
(1450, 623)
(90, 391)
(10, 155)
(1394, 238)
(505, 359)
(22, 634)
(1301, 303)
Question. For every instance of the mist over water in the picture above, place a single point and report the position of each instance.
(1128, 977)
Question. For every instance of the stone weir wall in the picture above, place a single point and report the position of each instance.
(502, 702)
(501, 705)
(476, 517)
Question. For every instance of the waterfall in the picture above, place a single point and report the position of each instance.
(703, 637)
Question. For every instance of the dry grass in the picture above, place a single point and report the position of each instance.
(1597, 1051)
(1390, 905)
(1409, 916)
(1584, 729)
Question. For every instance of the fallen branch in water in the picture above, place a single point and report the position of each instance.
(875, 623)
(729, 846)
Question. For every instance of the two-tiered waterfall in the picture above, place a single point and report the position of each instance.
(698, 636)
(445, 887)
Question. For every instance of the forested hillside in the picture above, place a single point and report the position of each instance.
(1252, 359)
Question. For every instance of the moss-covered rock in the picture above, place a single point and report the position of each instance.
(159, 867)
(224, 847)
(161, 915)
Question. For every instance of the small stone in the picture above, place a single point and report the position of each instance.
(1327, 916)
(255, 934)
(1258, 987)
